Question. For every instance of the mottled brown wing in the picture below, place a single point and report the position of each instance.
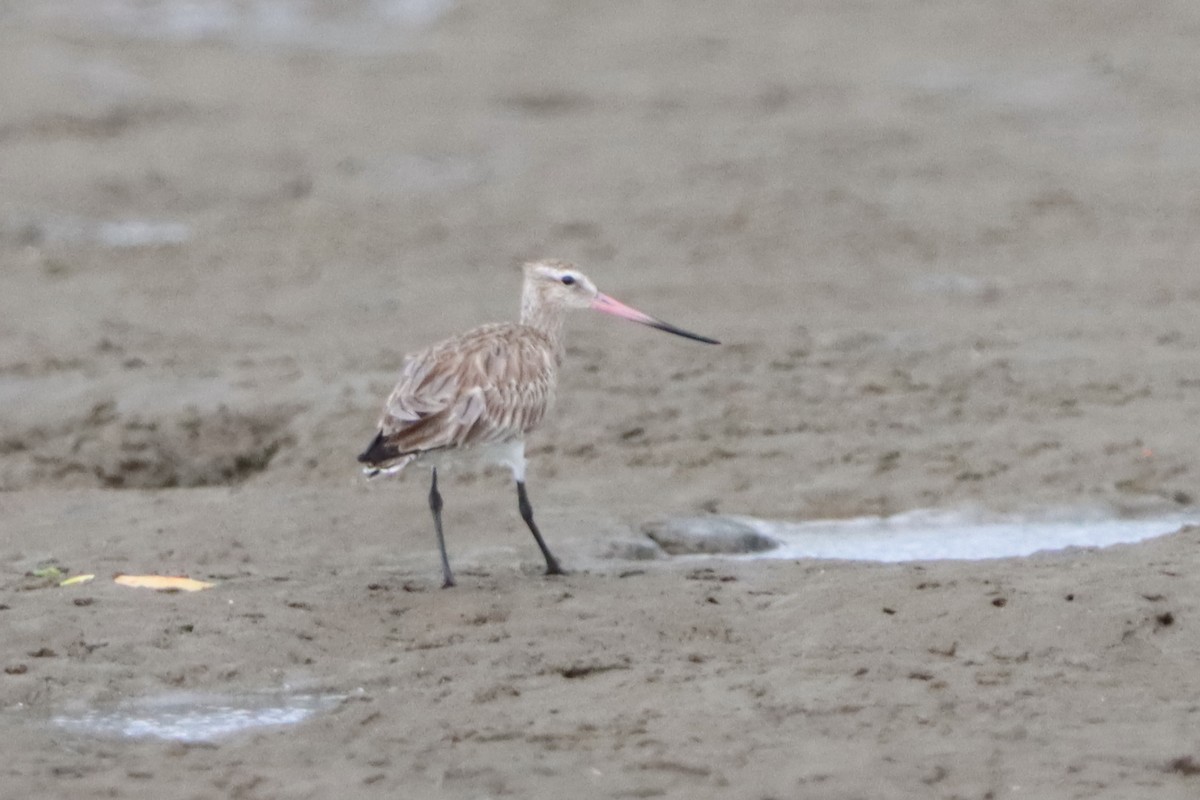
(488, 385)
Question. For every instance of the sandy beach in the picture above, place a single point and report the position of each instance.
(950, 251)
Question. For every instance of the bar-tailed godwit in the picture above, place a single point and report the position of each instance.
(477, 394)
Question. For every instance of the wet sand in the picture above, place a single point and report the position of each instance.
(951, 252)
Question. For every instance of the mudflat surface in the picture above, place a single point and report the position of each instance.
(950, 250)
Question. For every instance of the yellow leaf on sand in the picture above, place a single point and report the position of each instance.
(163, 582)
(76, 580)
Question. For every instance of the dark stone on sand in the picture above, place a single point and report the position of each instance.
(715, 535)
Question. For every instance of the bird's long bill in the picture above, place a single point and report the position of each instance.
(618, 309)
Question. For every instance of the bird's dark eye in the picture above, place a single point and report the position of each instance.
(568, 280)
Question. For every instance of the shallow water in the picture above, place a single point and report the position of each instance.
(352, 26)
(935, 535)
(196, 717)
(120, 233)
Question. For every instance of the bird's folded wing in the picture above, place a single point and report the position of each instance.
(484, 389)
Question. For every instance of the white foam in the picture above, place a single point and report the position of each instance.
(934, 535)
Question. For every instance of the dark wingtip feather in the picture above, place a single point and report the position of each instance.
(377, 451)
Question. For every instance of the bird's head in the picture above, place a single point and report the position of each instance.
(553, 285)
(560, 284)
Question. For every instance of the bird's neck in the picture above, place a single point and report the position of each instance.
(544, 317)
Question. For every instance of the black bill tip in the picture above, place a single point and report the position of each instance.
(669, 328)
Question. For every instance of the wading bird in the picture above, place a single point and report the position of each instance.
(477, 394)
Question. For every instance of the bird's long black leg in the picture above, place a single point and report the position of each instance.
(552, 567)
(435, 505)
